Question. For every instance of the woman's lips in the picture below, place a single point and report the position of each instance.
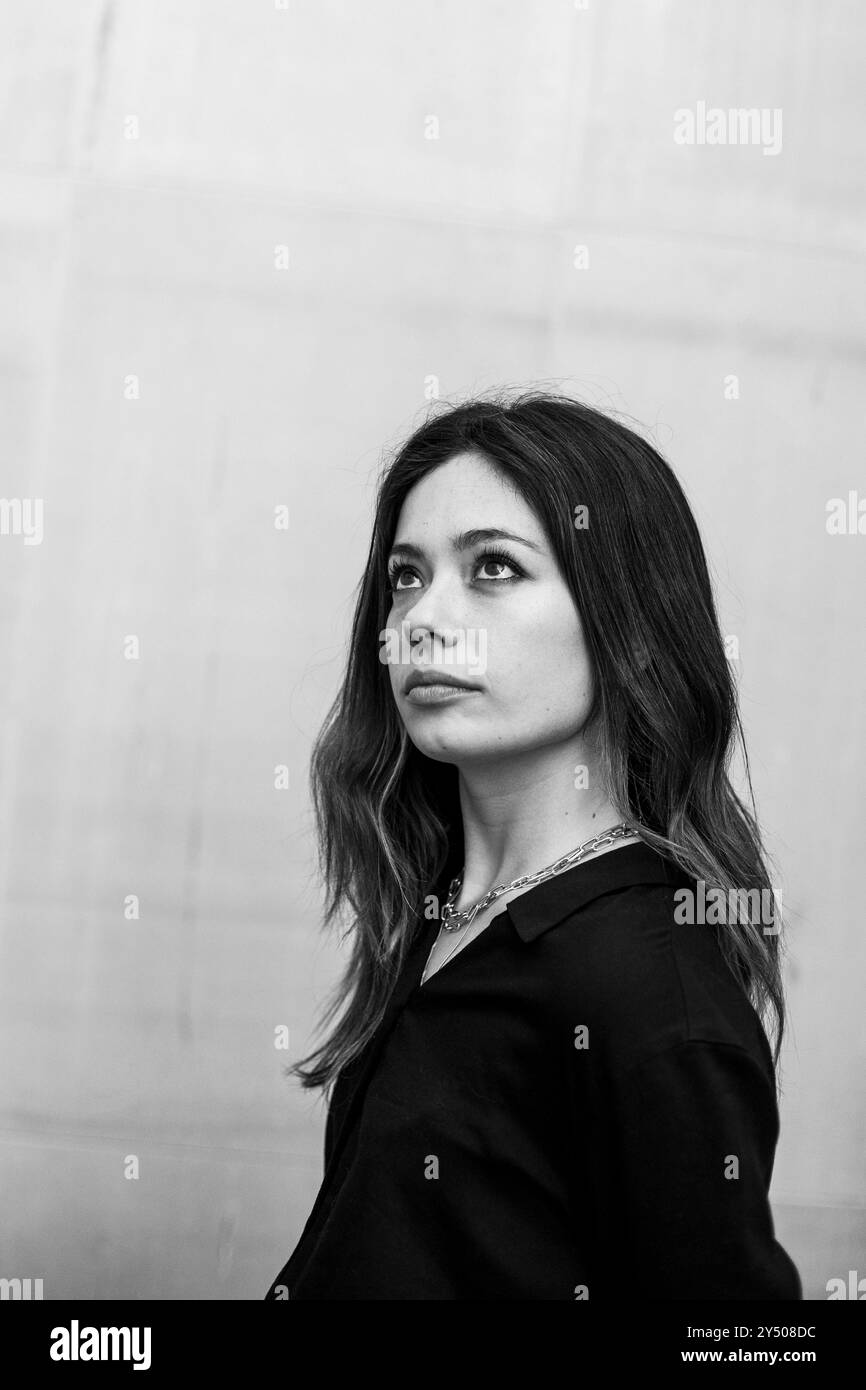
(437, 694)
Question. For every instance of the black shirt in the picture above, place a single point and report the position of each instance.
(580, 1103)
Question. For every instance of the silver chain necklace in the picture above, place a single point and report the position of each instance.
(455, 920)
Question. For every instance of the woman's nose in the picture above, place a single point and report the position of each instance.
(436, 612)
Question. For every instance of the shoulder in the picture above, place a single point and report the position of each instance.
(641, 981)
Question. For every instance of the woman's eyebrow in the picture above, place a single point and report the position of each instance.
(465, 539)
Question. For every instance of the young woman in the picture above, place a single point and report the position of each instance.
(551, 1078)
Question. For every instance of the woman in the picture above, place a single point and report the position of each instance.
(552, 1079)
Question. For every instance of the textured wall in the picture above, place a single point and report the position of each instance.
(166, 382)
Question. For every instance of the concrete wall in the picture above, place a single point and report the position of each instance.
(152, 156)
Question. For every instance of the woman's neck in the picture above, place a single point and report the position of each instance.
(521, 815)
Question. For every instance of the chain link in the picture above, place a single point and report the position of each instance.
(454, 919)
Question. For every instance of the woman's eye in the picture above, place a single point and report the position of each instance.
(394, 574)
(501, 562)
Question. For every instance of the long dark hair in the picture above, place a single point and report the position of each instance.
(388, 818)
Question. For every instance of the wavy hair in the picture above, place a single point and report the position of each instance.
(388, 818)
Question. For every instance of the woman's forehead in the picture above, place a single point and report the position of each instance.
(462, 490)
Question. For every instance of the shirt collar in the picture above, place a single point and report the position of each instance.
(538, 909)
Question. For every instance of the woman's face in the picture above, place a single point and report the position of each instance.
(504, 623)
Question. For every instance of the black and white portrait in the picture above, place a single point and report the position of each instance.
(433, 540)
